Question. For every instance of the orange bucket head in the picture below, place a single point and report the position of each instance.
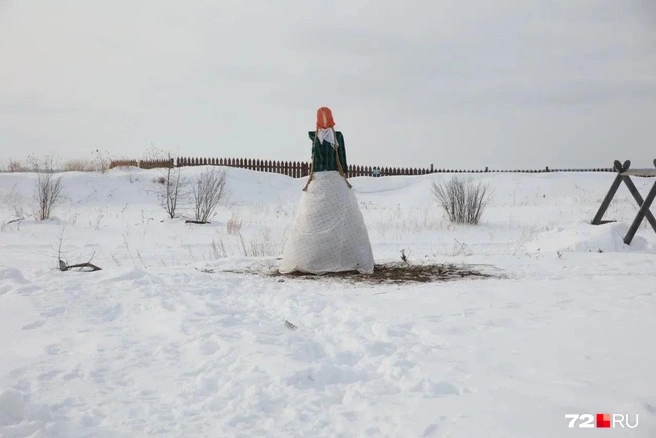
(325, 118)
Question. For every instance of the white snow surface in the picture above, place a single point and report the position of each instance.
(174, 338)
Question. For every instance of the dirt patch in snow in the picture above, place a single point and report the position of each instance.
(396, 273)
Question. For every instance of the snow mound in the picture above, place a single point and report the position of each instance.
(12, 274)
(585, 237)
(10, 278)
(19, 418)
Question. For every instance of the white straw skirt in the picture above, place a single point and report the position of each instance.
(328, 233)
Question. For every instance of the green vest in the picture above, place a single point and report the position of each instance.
(323, 155)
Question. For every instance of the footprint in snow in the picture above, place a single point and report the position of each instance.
(48, 375)
(73, 374)
(209, 347)
(431, 430)
(471, 311)
(498, 323)
(651, 409)
(439, 389)
(110, 313)
(511, 306)
(53, 349)
(53, 312)
(34, 325)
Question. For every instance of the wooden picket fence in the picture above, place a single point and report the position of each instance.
(295, 169)
(123, 163)
(300, 169)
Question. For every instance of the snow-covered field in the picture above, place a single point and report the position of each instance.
(171, 340)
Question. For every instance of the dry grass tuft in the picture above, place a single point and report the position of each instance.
(78, 166)
(234, 225)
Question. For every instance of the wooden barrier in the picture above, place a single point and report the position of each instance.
(301, 169)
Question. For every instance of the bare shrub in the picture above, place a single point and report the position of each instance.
(16, 166)
(12, 199)
(101, 162)
(207, 192)
(172, 188)
(234, 224)
(48, 190)
(463, 200)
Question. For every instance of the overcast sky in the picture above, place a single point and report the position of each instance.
(503, 83)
